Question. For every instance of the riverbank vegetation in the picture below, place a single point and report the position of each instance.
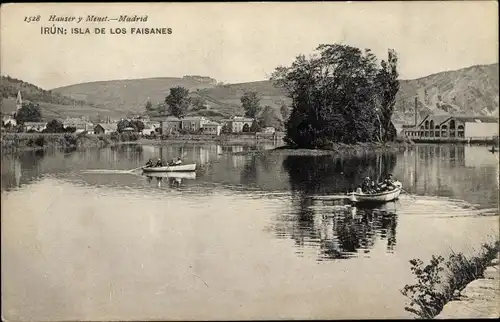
(438, 281)
(37, 141)
(339, 95)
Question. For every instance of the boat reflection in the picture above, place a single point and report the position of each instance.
(334, 230)
(174, 179)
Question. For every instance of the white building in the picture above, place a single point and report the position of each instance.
(448, 126)
(34, 126)
(8, 120)
(238, 124)
(269, 129)
(78, 124)
(212, 128)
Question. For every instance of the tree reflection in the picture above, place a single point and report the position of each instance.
(128, 151)
(249, 172)
(21, 168)
(338, 231)
(341, 233)
(327, 174)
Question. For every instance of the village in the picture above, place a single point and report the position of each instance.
(148, 127)
(433, 128)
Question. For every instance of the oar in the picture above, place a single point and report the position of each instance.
(409, 194)
(136, 168)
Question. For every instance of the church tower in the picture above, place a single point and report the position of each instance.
(19, 101)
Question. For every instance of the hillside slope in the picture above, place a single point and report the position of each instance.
(53, 105)
(131, 94)
(472, 90)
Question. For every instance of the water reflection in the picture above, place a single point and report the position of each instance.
(338, 231)
(174, 179)
(457, 171)
(22, 168)
(329, 174)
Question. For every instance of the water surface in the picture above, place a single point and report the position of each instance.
(247, 236)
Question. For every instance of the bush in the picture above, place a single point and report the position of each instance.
(429, 295)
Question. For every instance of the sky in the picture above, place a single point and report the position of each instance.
(240, 42)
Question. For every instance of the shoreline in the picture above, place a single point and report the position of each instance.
(478, 299)
(18, 142)
(463, 286)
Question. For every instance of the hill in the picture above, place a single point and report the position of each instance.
(53, 105)
(131, 94)
(472, 90)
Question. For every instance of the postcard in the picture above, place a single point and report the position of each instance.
(249, 160)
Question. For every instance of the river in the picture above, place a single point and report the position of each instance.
(244, 238)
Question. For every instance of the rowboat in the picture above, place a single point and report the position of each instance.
(171, 168)
(177, 175)
(386, 196)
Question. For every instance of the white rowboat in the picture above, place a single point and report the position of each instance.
(385, 196)
(172, 168)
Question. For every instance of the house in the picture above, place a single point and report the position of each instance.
(78, 124)
(105, 128)
(128, 129)
(212, 128)
(169, 123)
(8, 120)
(90, 131)
(34, 126)
(152, 124)
(188, 123)
(148, 131)
(238, 124)
(269, 129)
(449, 126)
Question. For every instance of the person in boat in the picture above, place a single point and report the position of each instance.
(149, 164)
(366, 187)
(387, 184)
(374, 187)
(159, 163)
(178, 162)
(172, 162)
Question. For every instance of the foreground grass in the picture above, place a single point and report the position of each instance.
(438, 281)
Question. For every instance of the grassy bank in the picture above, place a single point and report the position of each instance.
(242, 138)
(349, 149)
(438, 282)
(38, 141)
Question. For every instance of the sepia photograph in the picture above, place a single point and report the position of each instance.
(249, 161)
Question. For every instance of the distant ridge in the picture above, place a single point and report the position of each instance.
(467, 91)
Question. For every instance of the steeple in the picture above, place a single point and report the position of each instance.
(19, 100)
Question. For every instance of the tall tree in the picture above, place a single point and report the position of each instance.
(54, 126)
(284, 111)
(334, 96)
(178, 101)
(122, 124)
(29, 112)
(268, 117)
(387, 80)
(149, 106)
(161, 108)
(251, 104)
